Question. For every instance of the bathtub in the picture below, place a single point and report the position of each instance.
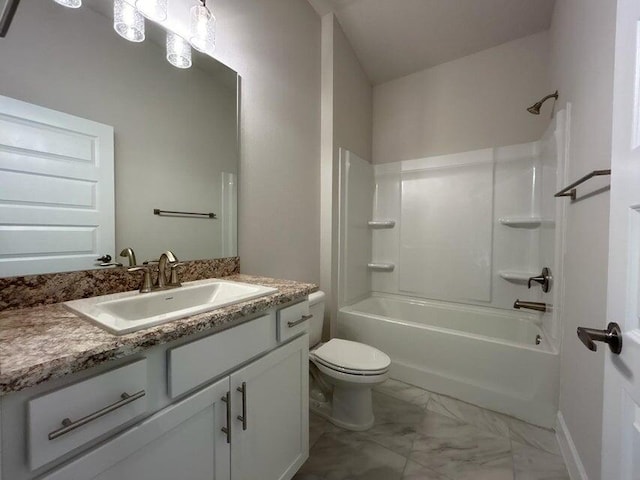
(493, 358)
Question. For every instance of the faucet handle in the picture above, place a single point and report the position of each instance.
(147, 284)
(174, 273)
(544, 279)
(539, 279)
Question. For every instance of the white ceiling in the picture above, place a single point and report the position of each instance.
(393, 38)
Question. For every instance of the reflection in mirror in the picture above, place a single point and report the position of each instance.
(172, 132)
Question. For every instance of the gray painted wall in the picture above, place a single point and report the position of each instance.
(582, 53)
(275, 48)
(475, 102)
(347, 105)
(352, 99)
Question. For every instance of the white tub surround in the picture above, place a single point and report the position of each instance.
(480, 223)
(482, 355)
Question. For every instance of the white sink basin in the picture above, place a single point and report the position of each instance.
(128, 312)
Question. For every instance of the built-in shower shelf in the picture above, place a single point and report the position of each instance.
(516, 276)
(381, 267)
(382, 224)
(525, 221)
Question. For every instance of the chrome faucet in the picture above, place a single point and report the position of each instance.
(537, 306)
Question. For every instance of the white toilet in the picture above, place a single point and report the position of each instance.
(342, 374)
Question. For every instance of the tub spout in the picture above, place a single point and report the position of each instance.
(537, 306)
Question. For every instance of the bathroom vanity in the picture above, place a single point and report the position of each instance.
(219, 395)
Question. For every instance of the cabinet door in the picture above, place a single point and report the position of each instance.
(183, 441)
(273, 443)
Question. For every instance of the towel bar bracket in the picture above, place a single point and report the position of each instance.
(571, 191)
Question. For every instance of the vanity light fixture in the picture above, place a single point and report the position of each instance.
(155, 10)
(128, 21)
(178, 51)
(202, 28)
(69, 3)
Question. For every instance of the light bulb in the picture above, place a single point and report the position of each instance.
(128, 21)
(153, 9)
(69, 3)
(178, 51)
(203, 25)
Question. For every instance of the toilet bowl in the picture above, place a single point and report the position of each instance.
(342, 374)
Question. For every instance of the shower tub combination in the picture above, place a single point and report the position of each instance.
(493, 358)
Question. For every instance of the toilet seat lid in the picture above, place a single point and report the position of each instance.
(352, 356)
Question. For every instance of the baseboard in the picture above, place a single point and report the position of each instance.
(569, 452)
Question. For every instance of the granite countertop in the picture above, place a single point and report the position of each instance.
(42, 343)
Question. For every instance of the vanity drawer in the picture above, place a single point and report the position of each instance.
(199, 362)
(293, 320)
(66, 419)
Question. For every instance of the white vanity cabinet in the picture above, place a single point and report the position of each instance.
(184, 441)
(270, 432)
(248, 420)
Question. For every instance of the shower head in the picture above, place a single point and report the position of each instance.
(535, 108)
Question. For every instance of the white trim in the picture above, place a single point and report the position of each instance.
(569, 451)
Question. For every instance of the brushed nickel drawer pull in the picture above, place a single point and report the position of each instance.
(227, 430)
(69, 426)
(243, 417)
(298, 322)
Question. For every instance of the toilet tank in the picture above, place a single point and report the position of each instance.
(316, 308)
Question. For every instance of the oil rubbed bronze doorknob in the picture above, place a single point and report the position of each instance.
(612, 336)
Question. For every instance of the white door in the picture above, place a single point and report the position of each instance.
(184, 441)
(273, 443)
(56, 190)
(621, 417)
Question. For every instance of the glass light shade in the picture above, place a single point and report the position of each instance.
(128, 21)
(203, 29)
(153, 9)
(178, 51)
(69, 3)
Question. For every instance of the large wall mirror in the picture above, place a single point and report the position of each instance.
(71, 89)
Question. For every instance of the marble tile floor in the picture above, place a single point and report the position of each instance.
(420, 435)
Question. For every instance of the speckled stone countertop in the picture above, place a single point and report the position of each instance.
(42, 343)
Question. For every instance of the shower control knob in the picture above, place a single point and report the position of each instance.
(544, 279)
(611, 336)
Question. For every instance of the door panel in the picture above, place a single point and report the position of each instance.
(275, 443)
(621, 418)
(56, 190)
(184, 441)
(183, 453)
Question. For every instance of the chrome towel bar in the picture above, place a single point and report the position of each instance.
(570, 191)
(170, 213)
